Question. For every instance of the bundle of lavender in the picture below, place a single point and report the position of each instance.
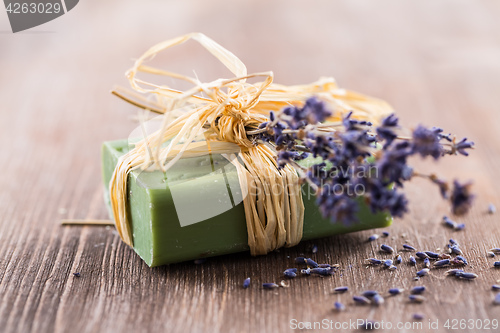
(359, 160)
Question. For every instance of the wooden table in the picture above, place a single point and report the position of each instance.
(436, 62)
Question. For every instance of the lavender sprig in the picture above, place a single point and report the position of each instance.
(358, 161)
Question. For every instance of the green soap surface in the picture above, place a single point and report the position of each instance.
(165, 234)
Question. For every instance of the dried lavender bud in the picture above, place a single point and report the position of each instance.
(386, 248)
(416, 298)
(459, 260)
(460, 226)
(392, 268)
(495, 287)
(454, 242)
(427, 263)
(385, 233)
(496, 264)
(311, 263)
(426, 142)
(455, 249)
(372, 238)
(432, 255)
(290, 272)
(395, 291)
(417, 290)
(409, 247)
(398, 259)
(341, 289)
(378, 299)
(361, 300)
(495, 250)
(418, 316)
(269, 285)
(300, 260)
(374, 261)
(449, 223)
(323, 271)
(423, 272)
(369, 293)
(465, 275)
(454, 272)
(412, 261)
(441, 263)
(314, 249)
(496, 301)
(306, 271)
(77, 274)
(246, 283)
(492, 209)
(490, 254)
(388, 263)
(421, 255)
(339, 306)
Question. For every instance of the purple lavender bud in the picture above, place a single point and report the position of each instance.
(490, 254)
(417, 290)
(290, 272)
(341, 289)
(369, 293)
(374, 261)
(409, 247)
(269, 285)
(454, 242)
(495, 287)
(339, 306)
(449, 223)
(441, 263)
(306, 271)
(395, 291)
(386, 248)
(496, 264)
(460, 226)
(398, 259)
(427, 263)
(496, 301)
(372, 238)
(467, 276)
(388, 263)
(454, 272)
(246, 283)
(492, 209)
(461, 146)
(426, 142)
(455, 249)
(378, 299)
(77, 274)
(418, 316)
(300, 260)
(461, 198)
(311, 263)
(324, 265)
(432, 255)
(423, 272)
(361, 300)
(421, 255)
(413, 261)
(495, 250)
(323, 271)
(416, 298)
(385, 233)
(368, 325)
(459, 260)
(314, 249)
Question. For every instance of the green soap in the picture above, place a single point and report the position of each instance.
(208, 217)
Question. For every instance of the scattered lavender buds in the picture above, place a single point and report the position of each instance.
(417, 290)
(270, 285)
(246, 283)
(423, 272)
(341, 289)
(372, 238)
(296, 133)
(362, 300)
(290, 272)
(409, 247)
(416, 298)
(492, 209)
(386, 248)
(339, 306)
(395, 291)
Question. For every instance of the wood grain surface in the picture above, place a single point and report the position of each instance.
(436, 62)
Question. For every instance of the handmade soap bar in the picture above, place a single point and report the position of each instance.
(164, 234)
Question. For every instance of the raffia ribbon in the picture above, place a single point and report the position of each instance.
(221, 120)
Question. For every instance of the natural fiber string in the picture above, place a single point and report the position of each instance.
(232, 108)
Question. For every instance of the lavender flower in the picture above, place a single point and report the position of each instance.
(461, 198)
(426, 142)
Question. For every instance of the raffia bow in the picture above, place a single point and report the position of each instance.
(232, 108)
